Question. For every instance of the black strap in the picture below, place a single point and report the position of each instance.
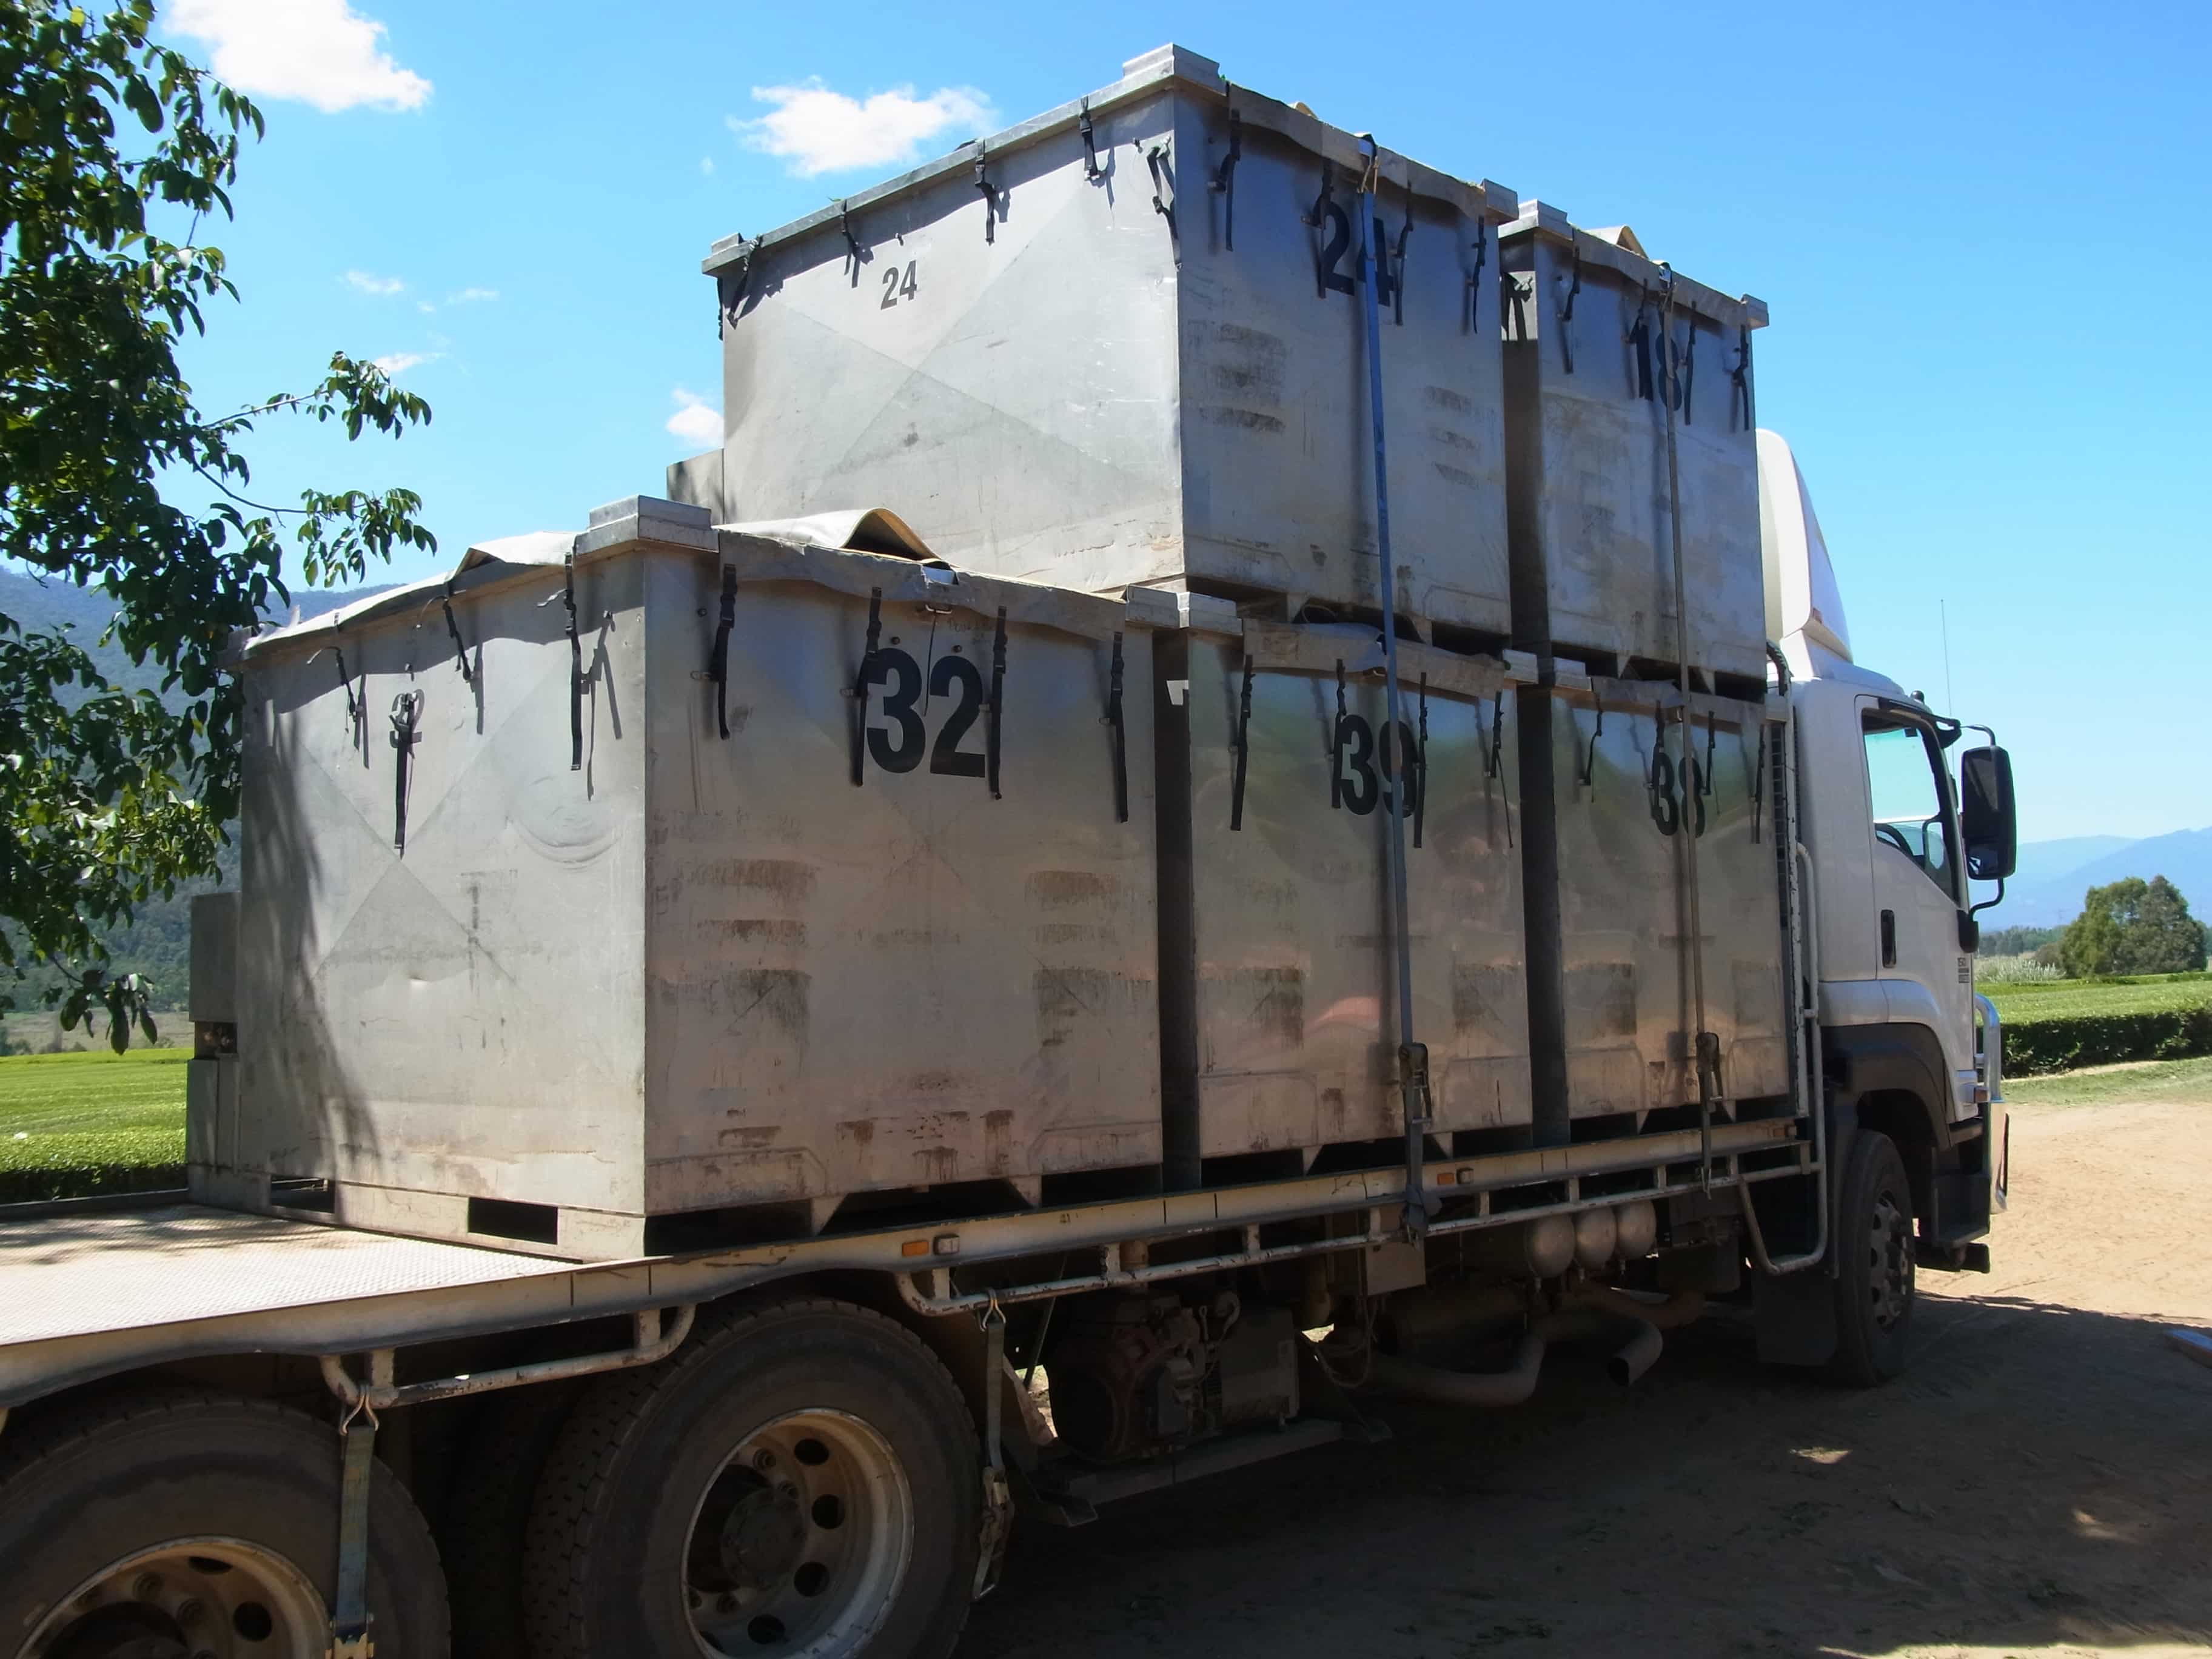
(1474, 277)
(1336, 745)
(1567, 315)
(1759, 784)
(1243, 749)
(1494, 763)
(730, 291)
(1688, 374)
(460, 651)
(1398, 262)
(998, 704)
(1712, 730)
(1421, 766)
(1590, 764)
(1740, 377)
(1160, 205)
(1120, 736)
(1317, 219)
(717, 660)
(860, 682)
(990, 195)
(851, 241)
(575, 666)
(1092, 170)
(350, 1616)
(356, 708)
(1639, 335)
(1224, 179)
(406, 709)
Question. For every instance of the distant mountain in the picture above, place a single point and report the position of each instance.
(2053, 875)
(42, 605)
(157, 944)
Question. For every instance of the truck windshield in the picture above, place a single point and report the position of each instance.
(1903, 774)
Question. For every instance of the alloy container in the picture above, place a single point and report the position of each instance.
(1123, 345)
(783, 877)
(1588, 361)
(1621, 796)
(1278, 974)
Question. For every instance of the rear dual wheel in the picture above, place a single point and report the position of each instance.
(178, 1525)
(802, 1478)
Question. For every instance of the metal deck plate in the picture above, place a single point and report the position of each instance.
(81, 1275)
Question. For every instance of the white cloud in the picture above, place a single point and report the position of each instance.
(367, 282)
(707, 165)
(470, 295)
(320, 51)
(697, 421)
(817, 131)
(424, 305)
(396, 364)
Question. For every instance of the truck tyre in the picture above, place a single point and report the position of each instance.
(177, 1524)
(799, 1476)
(481, 1532)
(1873, 1280)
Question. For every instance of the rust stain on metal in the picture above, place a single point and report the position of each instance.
(1053, 889)
(787, 879)
(778, 994)
(1270, 1000)
(753, 930)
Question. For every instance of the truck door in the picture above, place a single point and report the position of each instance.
(1926, 971)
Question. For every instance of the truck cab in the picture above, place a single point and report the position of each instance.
(1897, 819)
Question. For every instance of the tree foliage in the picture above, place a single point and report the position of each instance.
(2133, 927)
(111, 146)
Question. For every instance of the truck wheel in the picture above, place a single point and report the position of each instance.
(176, 1525)
(1874, 1280)
(481, 1531)
(800, 1477)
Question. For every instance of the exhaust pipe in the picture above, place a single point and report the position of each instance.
(1488, 1390)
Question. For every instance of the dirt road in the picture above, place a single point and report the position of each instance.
(2040, 1481)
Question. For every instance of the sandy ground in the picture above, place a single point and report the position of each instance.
(2040, 1481)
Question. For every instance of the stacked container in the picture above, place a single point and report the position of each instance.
(1122, 344)
(1590, 368)
(537, 956)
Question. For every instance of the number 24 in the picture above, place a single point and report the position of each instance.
(897, 285)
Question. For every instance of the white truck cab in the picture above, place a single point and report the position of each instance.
(1897, 820)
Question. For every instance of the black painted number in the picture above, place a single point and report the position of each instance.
(960, 679)
(897, 285)
(1667, 803)
(900, 750)
(1368, 784)
(1339, 245)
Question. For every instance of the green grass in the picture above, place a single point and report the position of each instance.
(2067, 998)
(2161, 1079)
(73, 1125)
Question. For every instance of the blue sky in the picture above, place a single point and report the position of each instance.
(1965, 219)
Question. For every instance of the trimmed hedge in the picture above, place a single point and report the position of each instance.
(2064, 1041)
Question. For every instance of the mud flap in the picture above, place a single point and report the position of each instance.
(1795, 1317)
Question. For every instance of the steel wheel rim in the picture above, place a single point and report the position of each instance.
(1889, 1252)
(197, 1598)
(801, 1541)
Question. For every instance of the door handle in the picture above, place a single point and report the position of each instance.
(1889, 938)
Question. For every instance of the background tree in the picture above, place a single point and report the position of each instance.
(108, 796)
(2133, 927)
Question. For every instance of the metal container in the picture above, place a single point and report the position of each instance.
(1611, 980)
(1278, 980)
(644, 966)
(1586, 355)
(1122, 344)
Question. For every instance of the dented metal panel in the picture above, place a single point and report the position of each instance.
(693, 970)
(1586, 365)
(1063, 360)
(1278, 976)
(1626, 818)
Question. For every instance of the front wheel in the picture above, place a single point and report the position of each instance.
(177, 1525)
(1873, 1280)
(803, 1478)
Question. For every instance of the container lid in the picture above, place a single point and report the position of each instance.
(1141, 77)
(1618, 249)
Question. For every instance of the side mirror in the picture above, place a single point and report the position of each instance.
(1987, 822)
